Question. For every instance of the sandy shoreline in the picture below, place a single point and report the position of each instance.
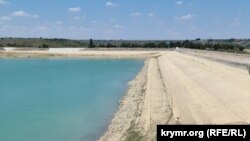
(143, 107)
(76, 53)
(173, 88)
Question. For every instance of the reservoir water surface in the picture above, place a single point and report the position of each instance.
(61, 99)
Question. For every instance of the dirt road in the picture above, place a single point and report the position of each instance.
(239, 60)
(205, 92)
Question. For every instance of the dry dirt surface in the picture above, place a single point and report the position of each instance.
(68, 52)
(247, 50)
(205, 92)
(239, 60)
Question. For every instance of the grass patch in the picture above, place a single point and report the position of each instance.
(132, 135)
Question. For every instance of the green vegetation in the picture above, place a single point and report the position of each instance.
(129, 44)
(132, 135)
(228, 47)
(44, 46)
(91, 43)
(40, 42)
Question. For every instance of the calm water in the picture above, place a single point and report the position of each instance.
(60, 99)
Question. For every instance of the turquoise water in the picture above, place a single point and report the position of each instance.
(60, 99)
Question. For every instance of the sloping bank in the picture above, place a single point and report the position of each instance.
(143, 107)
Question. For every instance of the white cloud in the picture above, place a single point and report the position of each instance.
(108, 31)
(72, 27)
(5, 18)
(43, 28)
(5, 27)
(59, 23)
(3, 2)
(20, 14)
(160, 22)
(117, 26)
(110, 4)
(74, 9)
(151, 14)
(23, 14)
(235, 22)
(94, 22)
(179, 3)
(185, 17)
(78, 17)
(35, 16)
(86, 29)
(172, 32)
(240, 13)
(136, 14)
(112, 20)
(194, 29)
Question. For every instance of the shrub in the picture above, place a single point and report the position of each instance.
(241, 48)
(44, 46)
(91, 43)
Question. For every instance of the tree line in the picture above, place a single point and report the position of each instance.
(208, 46)
(173, 44)
(129, 45)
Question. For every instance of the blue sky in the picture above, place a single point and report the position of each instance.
(125, 19)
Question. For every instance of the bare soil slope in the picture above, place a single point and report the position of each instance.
(205, 92)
